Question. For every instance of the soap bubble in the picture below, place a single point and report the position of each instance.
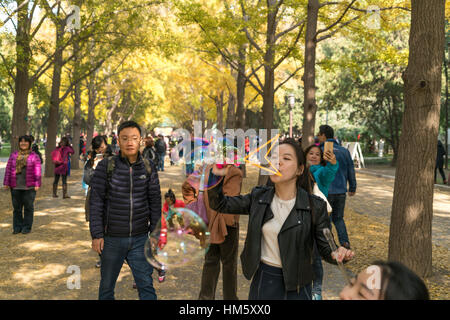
(180, 238)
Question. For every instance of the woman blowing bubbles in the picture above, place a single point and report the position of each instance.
(284, 220)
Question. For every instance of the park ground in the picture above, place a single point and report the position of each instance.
(36, 265)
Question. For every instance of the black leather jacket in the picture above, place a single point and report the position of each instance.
(296, 236)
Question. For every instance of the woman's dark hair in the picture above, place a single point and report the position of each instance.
(97, 142)
(64, 142)
(303, 181)
(322, 161)
(27, 139)
(400, 283)
(170, 195)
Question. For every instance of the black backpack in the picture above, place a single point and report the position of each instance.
(109, 172)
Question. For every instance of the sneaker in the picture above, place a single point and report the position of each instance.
(25, 231)
(16, 231)
(316, 296)
(98, 264)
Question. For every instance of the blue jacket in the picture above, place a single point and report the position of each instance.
(133, 205)
(346, 171)
(324, 175)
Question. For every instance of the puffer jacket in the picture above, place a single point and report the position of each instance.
(133, 204)
(296, 236)
(33, 176)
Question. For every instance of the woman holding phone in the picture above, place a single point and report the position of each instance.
(100, 150)
(284, 220)
(323, 167)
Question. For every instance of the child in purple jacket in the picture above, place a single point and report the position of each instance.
(23, 177)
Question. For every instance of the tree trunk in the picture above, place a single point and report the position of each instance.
(231, 111)
(53, 116)
(76, 112)
(92, 97)
(412, 207)
(240, 90)
(219, 106)
(22, 82)
(309, 77)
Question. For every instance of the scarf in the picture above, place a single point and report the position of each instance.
(21, 161)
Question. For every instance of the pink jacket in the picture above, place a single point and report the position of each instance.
(64, 168)
(33, 176)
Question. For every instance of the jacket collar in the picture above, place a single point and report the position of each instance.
(301, 203)
(125, 159)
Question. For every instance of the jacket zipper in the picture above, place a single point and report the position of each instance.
(131, 198)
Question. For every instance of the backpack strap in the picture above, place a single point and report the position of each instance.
(110, 167)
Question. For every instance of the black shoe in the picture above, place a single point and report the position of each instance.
(346, 245)
(25, 231)
(98, 264)
(16, 231)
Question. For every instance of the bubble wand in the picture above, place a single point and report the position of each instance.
(329, 237)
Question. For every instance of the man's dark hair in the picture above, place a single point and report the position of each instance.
(327, 131)
(129, 124)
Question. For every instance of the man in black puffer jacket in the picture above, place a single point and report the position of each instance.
(124, 208)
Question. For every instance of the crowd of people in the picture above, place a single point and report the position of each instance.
(124, 206)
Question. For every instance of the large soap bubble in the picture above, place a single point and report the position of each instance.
(180, 238)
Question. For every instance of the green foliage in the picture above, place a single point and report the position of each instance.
(6, 102)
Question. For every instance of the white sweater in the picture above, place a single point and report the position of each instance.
(270, 251)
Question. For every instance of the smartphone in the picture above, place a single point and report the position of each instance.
(328, 146)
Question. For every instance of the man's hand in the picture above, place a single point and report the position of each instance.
(97, 245)
(351, 194)
(36, 188)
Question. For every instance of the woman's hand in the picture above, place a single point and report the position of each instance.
(343, 254)
(330, 157)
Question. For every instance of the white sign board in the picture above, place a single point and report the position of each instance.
(355, 152)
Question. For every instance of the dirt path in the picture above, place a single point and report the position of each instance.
(38, 265)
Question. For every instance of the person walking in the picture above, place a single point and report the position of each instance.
(338, 188)
(23, 177)
(100, 150)
(440, 162)
(284, 221)
(323, 168)
(224, 241)
(149, 151)
(125, 206)
(63, 152)
(161, 147)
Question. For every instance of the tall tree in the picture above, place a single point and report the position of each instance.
(410, 238)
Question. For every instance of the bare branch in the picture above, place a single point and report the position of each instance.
(290, 48)
(337, 21)
(340, 27)
(279, 35)
(288, 78)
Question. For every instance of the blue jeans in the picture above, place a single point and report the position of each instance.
(161, 161)
(337, 203)
(318, 271)
(23, 204)
(268, 284)
(131, 249)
